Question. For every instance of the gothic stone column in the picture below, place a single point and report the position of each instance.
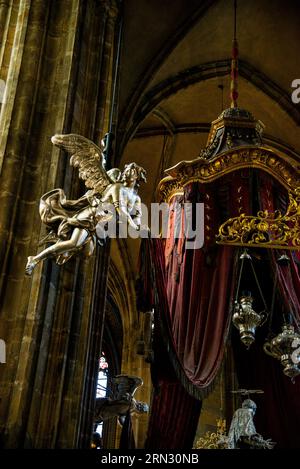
(48, 322)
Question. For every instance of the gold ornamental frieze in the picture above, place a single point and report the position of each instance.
(205, 171)
(267, 229)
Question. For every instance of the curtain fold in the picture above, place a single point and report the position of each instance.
(199, 305)
(174, 418)
(192, 292)
(278, 412)
(273, 197)
(174, 413)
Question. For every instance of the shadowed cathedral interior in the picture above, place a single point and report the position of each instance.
(150, 343)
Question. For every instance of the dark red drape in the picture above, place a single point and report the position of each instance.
(199, 304)
(193, 293)
(194, 287)
(174, 413)
(174, 418)
(278, 413)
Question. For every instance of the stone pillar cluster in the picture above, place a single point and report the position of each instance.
(57, 62)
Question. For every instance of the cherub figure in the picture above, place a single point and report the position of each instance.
(73, 224)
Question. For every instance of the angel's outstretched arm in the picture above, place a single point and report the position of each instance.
(120, 202)
(123, 213)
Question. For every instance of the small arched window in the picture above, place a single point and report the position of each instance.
(102, 386)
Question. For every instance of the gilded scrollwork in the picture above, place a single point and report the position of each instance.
(274, 230)
(214, 440)
(206, 171)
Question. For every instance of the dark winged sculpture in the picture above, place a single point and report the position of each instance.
(74, 225)
(122, 401)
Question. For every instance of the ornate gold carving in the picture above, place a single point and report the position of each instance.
(210, 148)
(206, 171)
(268, 230)
(170, 190)
(214, 440)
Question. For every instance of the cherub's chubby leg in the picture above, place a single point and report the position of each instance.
(77, 239)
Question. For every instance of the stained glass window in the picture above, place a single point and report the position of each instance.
(102, 385)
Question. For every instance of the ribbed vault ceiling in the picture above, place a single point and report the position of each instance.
(175, 57)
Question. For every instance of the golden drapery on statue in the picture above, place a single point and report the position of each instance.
(73, 224)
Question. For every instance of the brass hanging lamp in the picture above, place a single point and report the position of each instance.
(285, 346)
(244, 318)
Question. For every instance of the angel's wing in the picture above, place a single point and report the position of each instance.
(87, 157)
(126, 385)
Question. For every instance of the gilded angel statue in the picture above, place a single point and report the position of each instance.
(73, 225)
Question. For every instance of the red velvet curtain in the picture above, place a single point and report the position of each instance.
(273, 197)
(278, 412)
(193, 293)
(174, 418)
(193, 297)
(199, 304)
(174, 413)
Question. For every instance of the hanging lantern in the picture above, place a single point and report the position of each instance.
(246, 320)
(282, 347)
